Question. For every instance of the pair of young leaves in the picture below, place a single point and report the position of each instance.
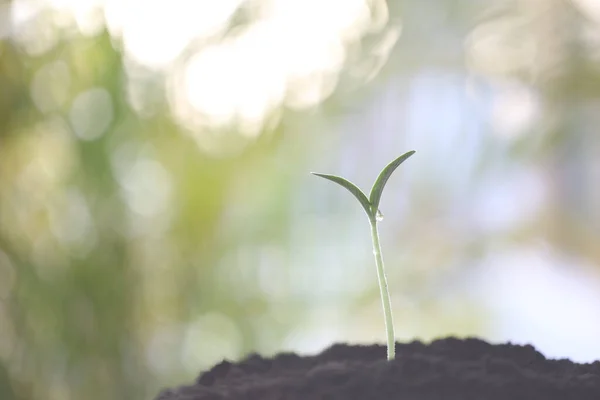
(370, 204)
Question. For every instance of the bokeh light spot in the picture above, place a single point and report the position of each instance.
(50, 86)
(91, 113)
(31, 27)
(72, 222)
(147, 187)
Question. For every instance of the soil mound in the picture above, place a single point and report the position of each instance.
(446, 369)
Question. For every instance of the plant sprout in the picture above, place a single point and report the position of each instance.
(371, 207)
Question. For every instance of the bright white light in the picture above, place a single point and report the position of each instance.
(319, 20)
(28, 28)
(290, 54)
(155, 32)
(86, 13)
(589, 7)
(242, 78)
(22, 11)
(275, 60)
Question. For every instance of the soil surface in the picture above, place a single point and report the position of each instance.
(446, 369)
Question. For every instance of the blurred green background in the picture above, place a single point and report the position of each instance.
(157, 213)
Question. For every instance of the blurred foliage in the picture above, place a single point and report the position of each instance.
(141, 241)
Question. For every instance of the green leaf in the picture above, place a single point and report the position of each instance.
(351, 187)
(382, 179)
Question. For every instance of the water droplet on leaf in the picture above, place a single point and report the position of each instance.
(379, 215)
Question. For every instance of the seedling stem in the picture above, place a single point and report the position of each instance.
(371, 207)
(385, 293)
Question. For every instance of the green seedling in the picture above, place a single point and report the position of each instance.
(371, 207)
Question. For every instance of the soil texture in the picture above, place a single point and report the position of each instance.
(445, 369)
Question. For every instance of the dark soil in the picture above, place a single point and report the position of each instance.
(446, 369)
